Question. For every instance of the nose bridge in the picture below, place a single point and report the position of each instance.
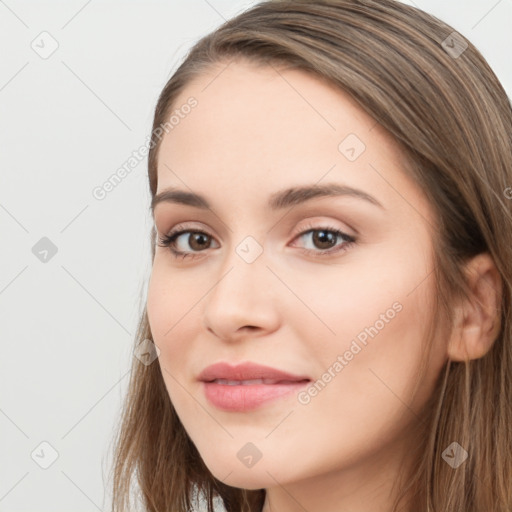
(242, 294)
(242, 274)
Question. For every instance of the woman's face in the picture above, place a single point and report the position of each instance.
(271, 282)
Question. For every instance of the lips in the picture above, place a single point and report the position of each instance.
(246, 387)
(249, 382)
(242, 374)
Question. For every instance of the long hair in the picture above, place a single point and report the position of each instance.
(436, 95)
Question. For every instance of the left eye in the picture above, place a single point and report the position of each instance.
(324, 239)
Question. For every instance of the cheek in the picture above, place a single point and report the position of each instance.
(345, 299)
(159, 304)
(374, 316)
(173, 325)
(173, 321)
(170, 302)
(362, 397)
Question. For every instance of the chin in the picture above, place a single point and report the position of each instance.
(246, 482)
(236, 475)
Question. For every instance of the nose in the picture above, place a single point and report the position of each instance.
(243, 300)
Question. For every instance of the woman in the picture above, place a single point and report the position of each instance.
(332, 260)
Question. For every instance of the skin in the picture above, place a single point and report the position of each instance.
(254, 132)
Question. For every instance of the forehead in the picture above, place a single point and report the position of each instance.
(261, 128)
(242, 99)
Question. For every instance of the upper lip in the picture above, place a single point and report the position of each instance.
(246, 371)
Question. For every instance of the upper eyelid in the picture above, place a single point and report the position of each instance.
(311, 225)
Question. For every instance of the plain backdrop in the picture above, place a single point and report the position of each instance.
(74, 269)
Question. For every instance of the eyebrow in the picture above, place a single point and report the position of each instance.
(277, 201)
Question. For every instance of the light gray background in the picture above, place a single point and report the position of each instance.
(67, 123)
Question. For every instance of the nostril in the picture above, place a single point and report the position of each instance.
(248, 327)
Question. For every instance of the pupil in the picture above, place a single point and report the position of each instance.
(197, 237)
(321, 237)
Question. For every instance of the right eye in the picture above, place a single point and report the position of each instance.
(200, 239)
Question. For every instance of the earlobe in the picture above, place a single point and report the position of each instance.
(477, 321)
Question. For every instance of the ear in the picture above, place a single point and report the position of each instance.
(477, 321)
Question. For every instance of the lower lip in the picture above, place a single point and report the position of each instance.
(241, 398)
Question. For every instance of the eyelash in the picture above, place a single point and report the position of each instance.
(170, 239)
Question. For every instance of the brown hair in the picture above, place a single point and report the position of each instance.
(453, 121)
